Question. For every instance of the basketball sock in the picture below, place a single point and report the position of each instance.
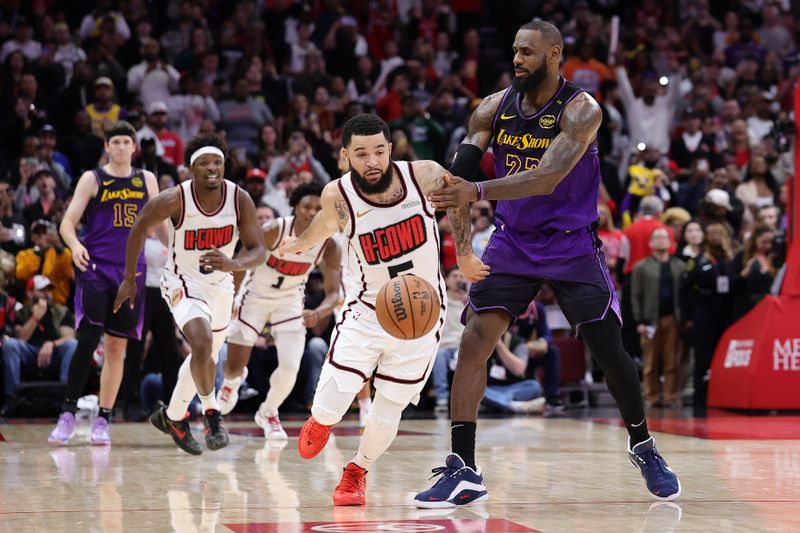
(81, 365)
(184, 392)
(209, 401)
(289, 345)
(380, 431)
(605, 342)
(638, 432)
(105, 413)
(70, 406)
(462, 436)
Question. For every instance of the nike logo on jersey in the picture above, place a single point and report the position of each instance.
(362, 213)
(503, 116)
(107, 183)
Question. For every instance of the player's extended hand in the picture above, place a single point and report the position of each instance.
(472, 267)
(289, 246)
(457, 192)
(310, 318)
(215, 260)
(126, 292)
(80, 256)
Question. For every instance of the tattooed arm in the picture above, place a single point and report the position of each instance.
(579, 123)
(331, 218)
(431, 176)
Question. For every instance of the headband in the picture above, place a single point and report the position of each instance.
(206, 150)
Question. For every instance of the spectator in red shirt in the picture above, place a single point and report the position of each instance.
(390, 107)
(636, 241)
(172, 143)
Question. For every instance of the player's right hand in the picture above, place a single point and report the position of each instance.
(472, 267)
(80, 256)
(126, 292)
(457, 192)
(288, 246)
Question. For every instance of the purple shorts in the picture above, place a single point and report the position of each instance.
(572, 263)
(95, 292)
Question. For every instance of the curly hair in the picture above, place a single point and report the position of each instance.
(309, 189)
(201, 140)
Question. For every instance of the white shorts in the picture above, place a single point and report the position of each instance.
(187, 299)
(284, 314)
(359, 347)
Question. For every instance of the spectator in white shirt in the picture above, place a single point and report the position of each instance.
(649, 114)
(68, 53)
(152, 80)
(23, 42)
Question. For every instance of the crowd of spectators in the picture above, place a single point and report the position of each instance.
(695, 145)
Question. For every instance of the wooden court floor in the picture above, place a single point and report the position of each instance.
(542, 474)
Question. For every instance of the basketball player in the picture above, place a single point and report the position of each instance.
(544, 133)
(107, 201)
(381, 206)
(274, 293)
(207, 215)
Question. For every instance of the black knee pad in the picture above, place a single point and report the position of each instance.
(89, 334)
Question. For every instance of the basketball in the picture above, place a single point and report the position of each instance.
(407, 307)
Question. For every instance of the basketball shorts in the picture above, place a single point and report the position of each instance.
(95, 292)
(360, 347)
(189, 299)
(254, 312)
(571, 263)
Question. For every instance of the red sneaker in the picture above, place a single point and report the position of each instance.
(313, 437)
(352, 487)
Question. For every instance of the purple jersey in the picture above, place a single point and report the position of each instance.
(519, 144)
(110, 215)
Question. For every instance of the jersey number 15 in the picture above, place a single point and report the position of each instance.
(125, 215)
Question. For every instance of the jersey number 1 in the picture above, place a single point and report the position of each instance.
(277, 284)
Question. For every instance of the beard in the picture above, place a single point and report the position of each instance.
(380, 186)
(532, 80)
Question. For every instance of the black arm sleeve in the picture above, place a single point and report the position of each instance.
(466, 162)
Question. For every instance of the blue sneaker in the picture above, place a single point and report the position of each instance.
(661, 481)
(459, 485)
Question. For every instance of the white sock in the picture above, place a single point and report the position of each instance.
(209, 401)
(265, 411)
(184, 392)
(381, 429)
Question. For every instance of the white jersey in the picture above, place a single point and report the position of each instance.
(283, 277)
(198, 232)
(391, 239)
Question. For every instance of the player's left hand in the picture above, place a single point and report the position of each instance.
(216, 261)
(457, 192)
(472, 267)
(310, 318)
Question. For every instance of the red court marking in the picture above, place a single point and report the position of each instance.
(2, 438)
(295, 432)
(491, 525)
(734, 427)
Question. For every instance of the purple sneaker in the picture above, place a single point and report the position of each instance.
(64, 430)
(100, 436)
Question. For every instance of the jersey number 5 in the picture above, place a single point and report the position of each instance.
(395, 270)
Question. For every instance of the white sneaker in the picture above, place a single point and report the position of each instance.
(271, 426)
(529, 407)
(228, 394)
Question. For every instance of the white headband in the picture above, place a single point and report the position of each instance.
(205, 150)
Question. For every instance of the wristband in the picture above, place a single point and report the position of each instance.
(479, 185)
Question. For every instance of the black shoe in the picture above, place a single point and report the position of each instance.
(179, 431)
(554, 407)
(216, 436)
